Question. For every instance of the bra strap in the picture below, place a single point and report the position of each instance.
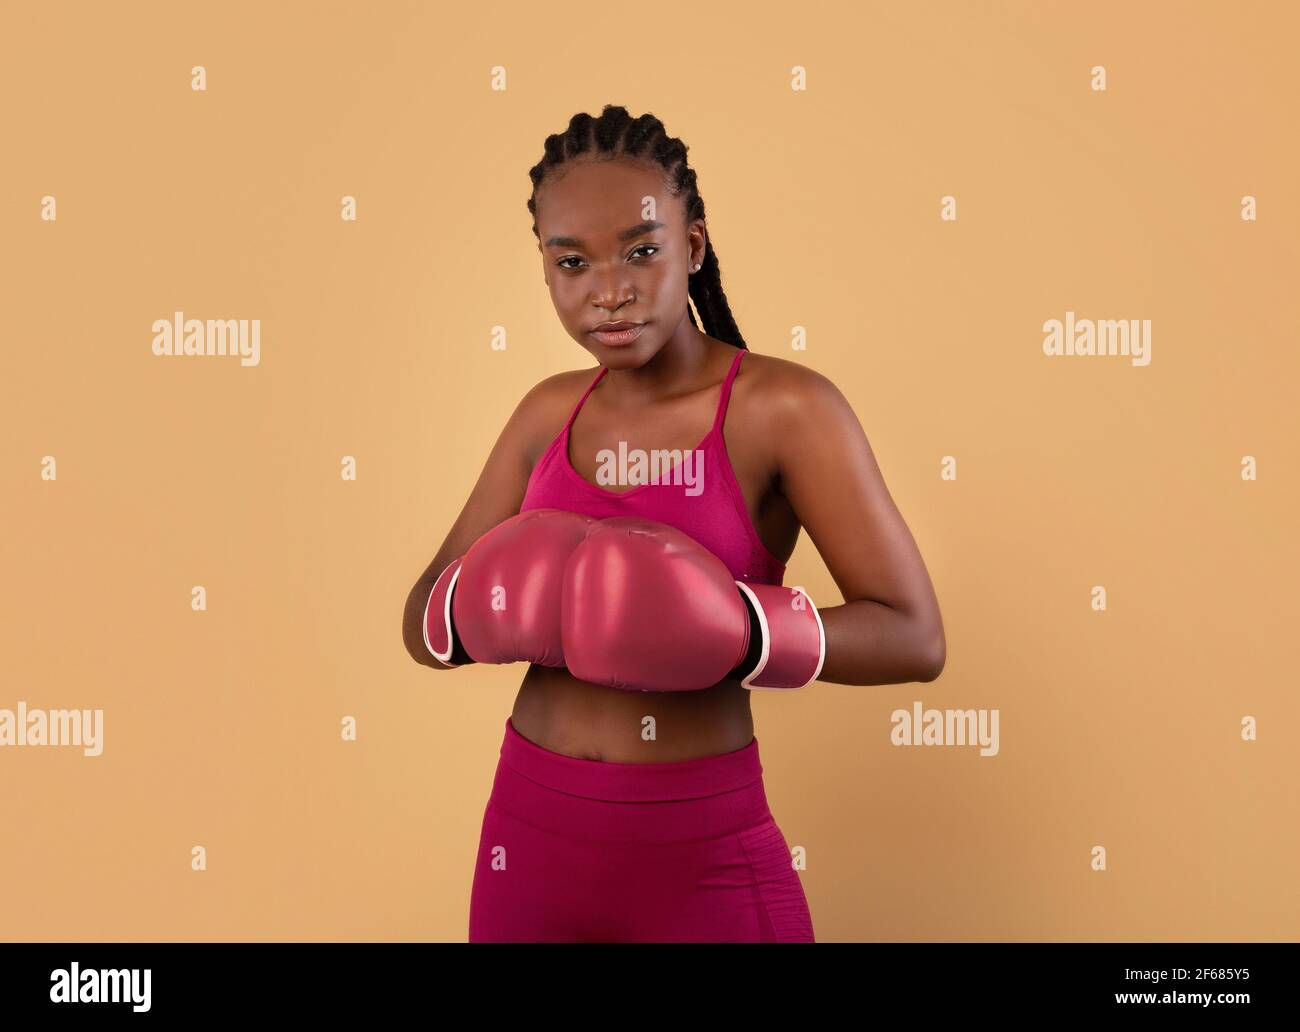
(574, 414)
(726, 389)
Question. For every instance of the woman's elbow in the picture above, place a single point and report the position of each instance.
(933, 661)
(415, 649)
(413, 629)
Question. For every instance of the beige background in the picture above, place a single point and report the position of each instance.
(1119, 729)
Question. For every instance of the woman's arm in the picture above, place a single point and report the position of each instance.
(496, 496)
(888, 631)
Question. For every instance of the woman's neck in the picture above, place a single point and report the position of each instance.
(677, 368)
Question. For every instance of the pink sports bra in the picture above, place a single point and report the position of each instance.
(708, 506)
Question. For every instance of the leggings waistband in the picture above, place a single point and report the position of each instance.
(596, 800)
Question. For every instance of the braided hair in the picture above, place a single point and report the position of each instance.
(617, 133)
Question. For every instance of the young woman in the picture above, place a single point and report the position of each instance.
(626, 815)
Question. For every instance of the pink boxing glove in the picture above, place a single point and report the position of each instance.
(646, 607)
(500, 601)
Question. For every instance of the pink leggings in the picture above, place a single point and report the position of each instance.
(577, 850)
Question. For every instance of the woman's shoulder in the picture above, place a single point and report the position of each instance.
(544, 409)
(782, 387)
(553, 398)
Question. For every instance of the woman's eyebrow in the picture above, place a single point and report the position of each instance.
(627, 234)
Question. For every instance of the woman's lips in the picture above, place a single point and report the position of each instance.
(616, 338)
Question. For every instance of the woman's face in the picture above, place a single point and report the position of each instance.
(615, 249)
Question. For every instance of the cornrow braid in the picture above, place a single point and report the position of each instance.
(616, 132)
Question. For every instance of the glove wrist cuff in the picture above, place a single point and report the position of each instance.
(787, 643)
(440, 635)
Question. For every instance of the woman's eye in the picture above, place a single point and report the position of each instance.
(642, 247)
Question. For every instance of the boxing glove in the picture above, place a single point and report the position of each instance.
(646, 607)
(500, 601)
